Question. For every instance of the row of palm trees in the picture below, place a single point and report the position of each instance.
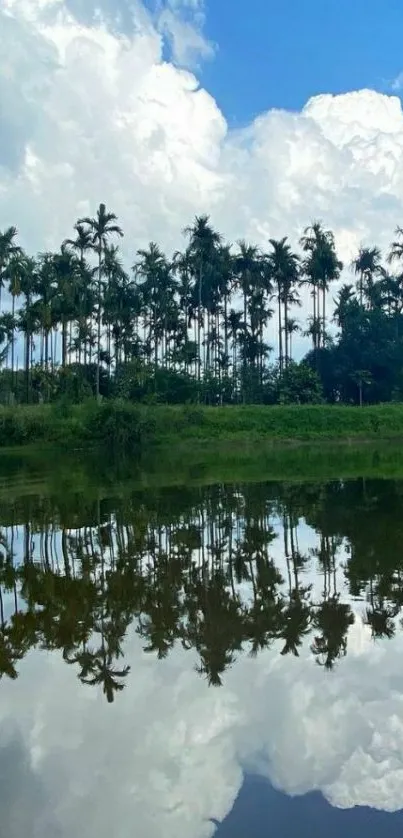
(203, 312)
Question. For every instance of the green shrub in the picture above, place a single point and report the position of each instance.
(193, 415)
(118, 425)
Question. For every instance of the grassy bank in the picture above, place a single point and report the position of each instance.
(123, 426)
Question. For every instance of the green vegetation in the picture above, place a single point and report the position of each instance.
(194, 328)
(124, 427)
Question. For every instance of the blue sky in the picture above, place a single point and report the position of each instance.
(278, 53)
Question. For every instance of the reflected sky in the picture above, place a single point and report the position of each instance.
(171, 753)
(281, 742)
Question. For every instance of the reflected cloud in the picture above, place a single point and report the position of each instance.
(169, 755)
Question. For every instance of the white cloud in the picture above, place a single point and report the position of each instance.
(92, 112)
(187, 40)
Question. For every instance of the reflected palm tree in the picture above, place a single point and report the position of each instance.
(193, 566)
(97, 668)
(380, 619)
(296, 624)
(333, 620)
(8, 657)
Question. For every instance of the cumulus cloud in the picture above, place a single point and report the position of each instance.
(92, 110)
(182, 22)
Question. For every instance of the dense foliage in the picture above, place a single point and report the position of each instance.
(194, 327)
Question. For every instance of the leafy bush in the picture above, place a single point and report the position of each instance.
(193, 415)
(118, 425)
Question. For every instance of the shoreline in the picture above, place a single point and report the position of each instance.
(123, 426)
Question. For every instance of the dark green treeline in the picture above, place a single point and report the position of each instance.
(195, 567)
(194, 327)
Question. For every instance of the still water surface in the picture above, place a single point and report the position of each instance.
(183, 662)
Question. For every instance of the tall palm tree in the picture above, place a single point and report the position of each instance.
(250, 279)
(396, 248)
(102, 226)
(67, 299)
(320, 267)
(153, 269)
(45, 288)
(366, 265)
(291, 327)
(8, 249)
(343, 302)
(234, 329)
(81, 245)
(202, 253)
(283, 266)
(14, 272)
(83, 241)
(26, 315)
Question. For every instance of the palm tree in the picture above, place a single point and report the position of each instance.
(251, 279)
(83, 241)
(67, 298)
(283, 266)
(343, 303)
(102, 227)
(45, 288)
(234, 330)
(26, 316)
(320, 267)
(291, 327)
(202, 255)
(14, 272)
(366, 265)
(8, 250)
(157, 292)
(396, 248)
(81, 245)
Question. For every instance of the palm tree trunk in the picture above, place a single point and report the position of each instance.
(27, 356)
(199, 326)
(97, 380)
(280, 334)
(286, 328)
(315, 336)
(226, 326)
(46, 348)
(244, 346)
(64, 342)
(13, 345)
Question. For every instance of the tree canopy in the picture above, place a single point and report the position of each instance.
(196, 326)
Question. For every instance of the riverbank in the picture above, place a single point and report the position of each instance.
(122, 426)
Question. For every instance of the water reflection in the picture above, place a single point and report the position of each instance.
(287, 597)
(220, 570)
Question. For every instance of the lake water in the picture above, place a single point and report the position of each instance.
(208, 659)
